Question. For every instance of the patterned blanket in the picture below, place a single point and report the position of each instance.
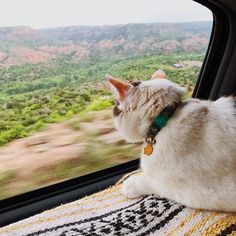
(110, 213)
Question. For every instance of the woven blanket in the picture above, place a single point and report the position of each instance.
(110, 213)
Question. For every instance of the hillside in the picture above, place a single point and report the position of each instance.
(24, 45)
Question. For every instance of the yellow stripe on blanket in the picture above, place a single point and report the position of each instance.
(186, 220)
(220, 225)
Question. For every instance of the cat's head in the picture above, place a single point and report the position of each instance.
(138, 103)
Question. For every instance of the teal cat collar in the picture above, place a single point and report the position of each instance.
(158, 123)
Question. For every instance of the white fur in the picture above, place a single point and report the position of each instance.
(139, 108)
(194, 158)
(162, 84)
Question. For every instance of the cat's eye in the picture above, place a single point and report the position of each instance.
(117, 110)
(135, 84)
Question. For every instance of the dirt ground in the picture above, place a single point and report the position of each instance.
(64, 150)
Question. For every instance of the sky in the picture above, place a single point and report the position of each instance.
(53, 13)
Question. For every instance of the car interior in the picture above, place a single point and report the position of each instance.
(91, 204)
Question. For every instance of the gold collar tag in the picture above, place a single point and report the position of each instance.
(148, 149)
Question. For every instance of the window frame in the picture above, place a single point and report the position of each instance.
(217, 75)
(211, 84)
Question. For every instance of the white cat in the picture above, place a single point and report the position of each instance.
(192, 159)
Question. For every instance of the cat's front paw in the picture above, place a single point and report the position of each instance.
(130, 187)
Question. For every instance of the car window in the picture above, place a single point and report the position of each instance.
(55, 106)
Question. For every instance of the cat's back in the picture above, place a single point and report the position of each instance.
(220, 119)
(220, 128)
(224, 109)
(219, 115)
(207, 127)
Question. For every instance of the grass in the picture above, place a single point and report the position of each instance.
(6, 178)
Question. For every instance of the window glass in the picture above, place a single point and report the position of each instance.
(55, 107)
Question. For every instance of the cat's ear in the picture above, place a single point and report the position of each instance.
(159, 74)
(119, 88)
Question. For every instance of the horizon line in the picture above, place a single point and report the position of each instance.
(105, 25)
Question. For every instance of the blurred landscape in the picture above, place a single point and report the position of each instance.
(55, 107)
